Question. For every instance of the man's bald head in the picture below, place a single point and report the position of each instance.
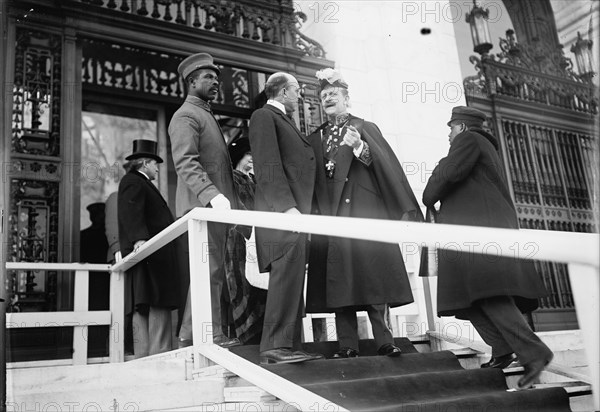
(277, 82)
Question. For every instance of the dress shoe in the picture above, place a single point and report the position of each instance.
(390, 350)
(283, 355)
(311, 355)
(346, 353)
(532, 372)
(225, 342)
(500, 362)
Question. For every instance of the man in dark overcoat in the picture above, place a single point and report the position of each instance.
(284, 165)
(93, 249)
(490, 291)
(153, 282)
(204, 179)
(358, 175)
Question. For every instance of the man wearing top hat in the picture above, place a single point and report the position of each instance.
(152, 283)
(204, 177)
(490, 291)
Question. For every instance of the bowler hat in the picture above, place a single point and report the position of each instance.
(468, 115)
(195, 62)
(237, 149)
(144, 148)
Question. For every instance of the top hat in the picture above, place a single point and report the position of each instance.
(330, 77)
(468, 115)
(144, 148)
(195, 62)
(237, 149)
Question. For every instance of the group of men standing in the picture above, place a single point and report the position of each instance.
(345, 168)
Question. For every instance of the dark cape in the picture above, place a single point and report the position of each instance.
(349, 272)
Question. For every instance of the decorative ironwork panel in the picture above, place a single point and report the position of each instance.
(556, 280)
(137, 70)
(273, 22)
(310, 111)
(520, 163)
(36, 93)
(131, 69)
(548, 169)
(576, 153)
(531, 72)
(33, 237)
(234, 90)
(552, 165)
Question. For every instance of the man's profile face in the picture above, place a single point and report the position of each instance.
(205, 84)
(455, 129)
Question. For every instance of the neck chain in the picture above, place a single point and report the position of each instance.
(340, 120)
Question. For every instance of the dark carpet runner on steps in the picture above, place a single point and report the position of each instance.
(413, 382)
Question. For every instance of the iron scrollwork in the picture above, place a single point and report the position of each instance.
(36, 93)
(33, 237)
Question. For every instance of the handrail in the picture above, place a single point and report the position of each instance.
(524, 243)
(92, 267)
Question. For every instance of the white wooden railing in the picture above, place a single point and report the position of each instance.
(579, 250)
(80, 318)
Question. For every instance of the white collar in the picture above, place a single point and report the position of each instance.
(144, 174)
(277, 104)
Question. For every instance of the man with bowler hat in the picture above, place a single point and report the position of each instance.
(204, 179)
(490, 291)
(153, 283)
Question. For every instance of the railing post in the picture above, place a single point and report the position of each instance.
(201, 309)
(585, 283)
(116, 338)
(80, 333)
(427, 292)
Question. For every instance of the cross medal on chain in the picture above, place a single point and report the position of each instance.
(331, 150)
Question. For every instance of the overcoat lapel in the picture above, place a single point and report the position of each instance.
(154, 188)
(321, 186)
(287, 119)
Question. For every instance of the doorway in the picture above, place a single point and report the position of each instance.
(108, 129)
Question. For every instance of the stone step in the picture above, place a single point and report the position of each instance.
(84, 377)
(270, 406)
(133, 396)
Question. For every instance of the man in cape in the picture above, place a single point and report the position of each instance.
(358, 175)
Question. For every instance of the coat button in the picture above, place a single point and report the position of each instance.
(346, 179)
(347, 200)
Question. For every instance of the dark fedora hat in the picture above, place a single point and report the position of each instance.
(195, 62)
(237, 149)
(467, 115)
(144, 148)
